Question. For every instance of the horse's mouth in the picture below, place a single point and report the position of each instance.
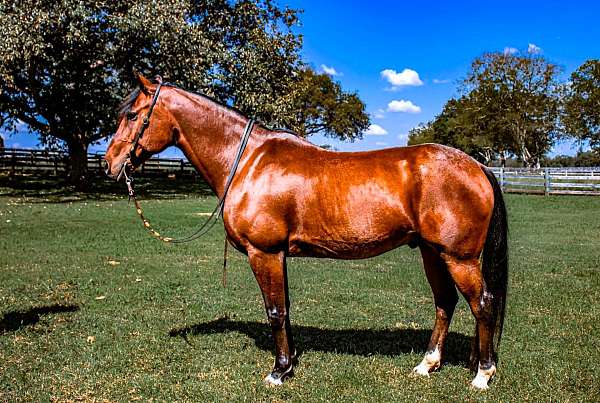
(119, 170)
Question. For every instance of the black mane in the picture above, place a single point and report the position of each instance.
(127, 103)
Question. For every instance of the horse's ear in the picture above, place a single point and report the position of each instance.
(145, 84)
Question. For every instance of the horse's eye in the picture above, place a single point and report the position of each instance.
(131, 116)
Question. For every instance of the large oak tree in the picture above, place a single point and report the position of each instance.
(65, 65)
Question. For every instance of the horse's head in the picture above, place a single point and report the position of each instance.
(123, 152)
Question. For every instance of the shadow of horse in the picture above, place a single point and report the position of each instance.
(15, 320)
(363, 342)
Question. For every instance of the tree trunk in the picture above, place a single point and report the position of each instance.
(78, 173)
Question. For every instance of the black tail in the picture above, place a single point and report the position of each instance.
(495, 257)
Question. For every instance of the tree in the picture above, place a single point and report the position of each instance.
(582, 104)
(322, 107)
(66, 64)
(509, 105)
(460, 126)
(422, 134)
(516, 102)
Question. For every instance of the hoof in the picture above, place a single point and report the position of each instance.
(276, 378)
(480, 383)
(483, 377)
(421, 370)
(431, 362)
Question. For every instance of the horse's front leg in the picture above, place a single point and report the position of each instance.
(270, 273)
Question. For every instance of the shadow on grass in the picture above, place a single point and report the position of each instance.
(57, 190)
(15, 320)
(364, 342)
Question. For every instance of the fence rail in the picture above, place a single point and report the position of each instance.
(16, 161)
(571, 180)
(550, 181)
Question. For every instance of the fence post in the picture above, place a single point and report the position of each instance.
(502, 178)
(13, 165)
(546, 182)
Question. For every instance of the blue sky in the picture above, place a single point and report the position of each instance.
(436, 41)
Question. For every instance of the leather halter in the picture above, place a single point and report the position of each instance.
(141, 130)
(218, 211)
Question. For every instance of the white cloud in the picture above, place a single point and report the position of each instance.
(406, 77)
(403, 106)
(510, 51)
(533, 49)
(381, 143)
(378, 114)
(330, 70)
(376, 130)
(438, 81)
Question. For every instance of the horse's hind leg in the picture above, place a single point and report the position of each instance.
(288, 325)
(467, 275)
(445, 299)
(270, 273)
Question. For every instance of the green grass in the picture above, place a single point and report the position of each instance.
(158, 325)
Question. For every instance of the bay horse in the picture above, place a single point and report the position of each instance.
(292, 198)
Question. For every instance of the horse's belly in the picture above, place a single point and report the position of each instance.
(349, 246)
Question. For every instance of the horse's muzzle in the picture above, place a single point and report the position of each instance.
(114, 174)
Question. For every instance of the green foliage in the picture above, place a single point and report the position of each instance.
(518, 97)
(91, 308)
(65, 65)
(581, 159)
(510, 104)
(322, 107)
(459, 126)
(582, 104)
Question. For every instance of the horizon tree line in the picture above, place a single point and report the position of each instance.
(515, 106)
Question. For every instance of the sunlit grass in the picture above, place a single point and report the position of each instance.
(93, 308)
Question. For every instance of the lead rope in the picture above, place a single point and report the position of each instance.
(218, 210)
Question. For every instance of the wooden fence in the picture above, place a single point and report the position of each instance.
(546, 181)
(15, 161)
(550, 181)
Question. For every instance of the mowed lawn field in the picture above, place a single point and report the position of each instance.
(93, 309)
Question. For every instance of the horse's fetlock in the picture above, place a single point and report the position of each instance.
(284, 361)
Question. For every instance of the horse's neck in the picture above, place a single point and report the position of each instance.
(209, 137)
